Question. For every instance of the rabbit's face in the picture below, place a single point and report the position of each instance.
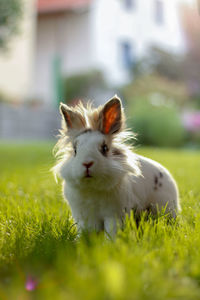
(92, 163)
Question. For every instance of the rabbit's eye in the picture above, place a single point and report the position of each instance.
(75, 150)
(104, 149)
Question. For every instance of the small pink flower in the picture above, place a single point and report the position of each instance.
(31, 284)
(191, 121)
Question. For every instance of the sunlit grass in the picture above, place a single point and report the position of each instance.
(38, 241)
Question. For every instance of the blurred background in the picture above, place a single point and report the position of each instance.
(148, 52)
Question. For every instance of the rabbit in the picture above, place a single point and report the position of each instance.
(103, 179)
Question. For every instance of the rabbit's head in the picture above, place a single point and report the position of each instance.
(93, 153)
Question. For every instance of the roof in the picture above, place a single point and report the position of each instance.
(52, 6)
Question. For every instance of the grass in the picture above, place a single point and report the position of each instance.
(38, 239)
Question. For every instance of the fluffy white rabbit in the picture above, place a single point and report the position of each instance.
(102, 177)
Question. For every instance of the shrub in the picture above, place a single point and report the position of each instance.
(156, 125)
(81, 85)
(11, 12)
(148, 84)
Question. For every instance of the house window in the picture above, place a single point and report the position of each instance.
(127, 57)
(129, 4)
(159, 12)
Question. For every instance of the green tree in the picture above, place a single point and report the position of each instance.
(10, 14)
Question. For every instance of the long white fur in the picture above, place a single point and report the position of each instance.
(120, 182)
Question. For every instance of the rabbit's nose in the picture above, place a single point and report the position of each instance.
(88, 164)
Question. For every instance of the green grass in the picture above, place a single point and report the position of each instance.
(37, 237)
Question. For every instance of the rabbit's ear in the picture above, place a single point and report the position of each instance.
(73, 119)
(111, 116)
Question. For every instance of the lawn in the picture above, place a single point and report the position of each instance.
(40, 250)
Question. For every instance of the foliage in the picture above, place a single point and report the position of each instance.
(167, 64)
(149, 84)
(79, 86)
(156, 123)
(10, 14)
(182, 68)
(153, 108)
(158, 260)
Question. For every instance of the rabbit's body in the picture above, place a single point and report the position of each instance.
(104, 179)
(99, 209)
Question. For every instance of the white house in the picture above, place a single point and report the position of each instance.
(75, 36)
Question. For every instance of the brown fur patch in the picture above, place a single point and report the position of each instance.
(84, 131)
(94, 118)
(117, 152)
(107, 119)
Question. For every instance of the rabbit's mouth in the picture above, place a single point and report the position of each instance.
(87, 174)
